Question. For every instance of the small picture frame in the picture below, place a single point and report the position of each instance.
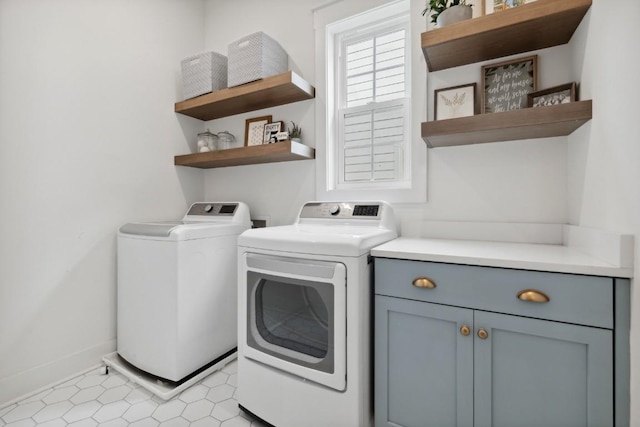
(553, 96)
(454, 102)
(254, 130)
(282, 136)
(491, 6)
(270, 132)
(506, 85)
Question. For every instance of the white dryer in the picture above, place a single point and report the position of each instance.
(304, 315)
(177, 290)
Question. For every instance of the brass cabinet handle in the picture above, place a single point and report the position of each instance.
(483, 334)
(424, 282)
(533, 295)
(464, 330)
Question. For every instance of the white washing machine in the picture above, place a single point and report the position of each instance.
(177, 290)
(304, 315)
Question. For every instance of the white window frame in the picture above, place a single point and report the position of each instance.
(338, 18)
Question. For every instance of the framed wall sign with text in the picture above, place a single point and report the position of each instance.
(507, 84)
(270, 132)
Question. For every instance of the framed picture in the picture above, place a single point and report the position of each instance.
(507, 84)
(491, 6)
(254, 130)
(554, 95)
(454, 102)
(270, 131)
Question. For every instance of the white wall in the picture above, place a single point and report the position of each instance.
(87, 139)
(276, 190)
(463, 183)
(520, 182)
(604, 155)
(588, 179)
(88, 135)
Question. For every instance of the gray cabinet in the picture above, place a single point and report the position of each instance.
(423, 366)
(531, 372)
(469, 352)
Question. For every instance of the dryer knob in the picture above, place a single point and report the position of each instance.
(334, 210)
(208, 208)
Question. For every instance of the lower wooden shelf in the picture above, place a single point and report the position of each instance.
(527, 123)
(283, 151)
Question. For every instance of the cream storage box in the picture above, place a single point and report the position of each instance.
(203, 73)
(254, 57)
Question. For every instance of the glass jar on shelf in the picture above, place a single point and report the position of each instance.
(207, 141)
(225, 140)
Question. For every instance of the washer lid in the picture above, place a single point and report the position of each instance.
(202, 220)
(340, 240)
(180, 230)
(162, 229)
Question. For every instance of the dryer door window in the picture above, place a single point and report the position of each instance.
(293, 320)
(296, 317)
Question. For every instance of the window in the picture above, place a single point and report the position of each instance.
(371, 151)
(372, 106)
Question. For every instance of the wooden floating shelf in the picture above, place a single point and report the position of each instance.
(533, 26)
(527, 123)
(271, 91)
(267, 153)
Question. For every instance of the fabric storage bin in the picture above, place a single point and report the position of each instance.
(254, 57)
(203, 73)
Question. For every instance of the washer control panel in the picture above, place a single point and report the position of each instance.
(213, 209)
(342, 210)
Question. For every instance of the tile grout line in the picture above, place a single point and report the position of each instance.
(53, 385)
(211, 401)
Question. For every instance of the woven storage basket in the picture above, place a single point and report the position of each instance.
(203, 73)
(254, 57)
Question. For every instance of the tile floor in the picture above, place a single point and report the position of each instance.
(94, 399)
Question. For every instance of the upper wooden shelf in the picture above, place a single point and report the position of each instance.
(527, 123)
(268, 92)
(267, 153)
(537, 25)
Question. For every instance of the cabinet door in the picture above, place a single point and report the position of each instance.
(423, 364)
(530, 372)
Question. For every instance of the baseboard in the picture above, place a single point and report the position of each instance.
(32, 381)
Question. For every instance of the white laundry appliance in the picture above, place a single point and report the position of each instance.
(304, 315)
(177, 290)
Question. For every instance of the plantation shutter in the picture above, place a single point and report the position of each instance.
(372, 120)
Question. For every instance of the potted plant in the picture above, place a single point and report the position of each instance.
(295, 133)
(445, 12)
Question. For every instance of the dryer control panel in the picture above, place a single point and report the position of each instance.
(342, 210)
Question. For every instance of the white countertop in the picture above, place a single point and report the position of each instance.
(525, 256)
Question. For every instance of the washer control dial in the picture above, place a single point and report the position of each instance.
(334, 210)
